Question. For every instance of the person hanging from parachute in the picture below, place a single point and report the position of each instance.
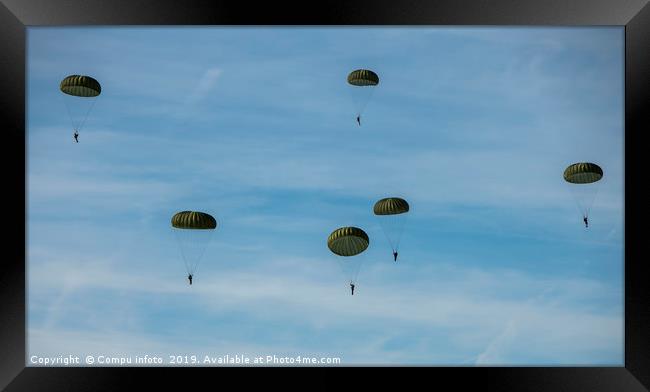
(194, 232)
(583, 179)
(391, 212)
(81, 93)
(363, 82)
(348, 242)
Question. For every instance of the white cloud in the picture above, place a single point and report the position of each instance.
(468, 306)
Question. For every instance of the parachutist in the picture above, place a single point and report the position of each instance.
(390, 211)
(364, 82)
(580, 174)
(187, 226)
(347, 242)
(80, 86)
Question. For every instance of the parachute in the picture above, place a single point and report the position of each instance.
(347, 242)
(583, 179)
(392, 214)
(363, 77)
(363, 83)
(81, 93)
(193, 232)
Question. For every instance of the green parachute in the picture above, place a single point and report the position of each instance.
(348, 242)
(80, 86)
(363, 77)
(193, 220)
(81, 93)
(392, 214)
(363, 83)
(583, 173)
(193, 232)
(583, 180)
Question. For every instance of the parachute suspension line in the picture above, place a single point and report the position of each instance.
(400, 231)
(398, 221)
(67, 107)
(192, 247)
(383, 224)
(203, 249)
(179, 240)
(351, 266)
(361, 96)
(584, 197)
(366, 99)
(355, 265)
(77, 127)
(576, 199)
(88, 112)
(593, 199)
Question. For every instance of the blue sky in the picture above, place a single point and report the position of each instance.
(473, 126)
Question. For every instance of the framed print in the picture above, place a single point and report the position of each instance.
(451, 186)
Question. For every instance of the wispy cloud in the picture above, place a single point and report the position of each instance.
(465, 304)
(493, 353)
(204, 85)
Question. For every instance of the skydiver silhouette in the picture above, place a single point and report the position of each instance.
(76, 136)
(395, 255)
(586, 221)
(352, 287)
(359, 120)
(190, 278)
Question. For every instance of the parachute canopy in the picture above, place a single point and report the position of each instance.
(80, 86)
(363, 77)
(348, 241)
(391, 206)
(193, 220)
(583, 173)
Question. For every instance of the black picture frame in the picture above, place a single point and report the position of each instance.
(17, 15)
